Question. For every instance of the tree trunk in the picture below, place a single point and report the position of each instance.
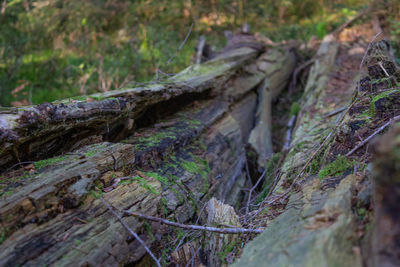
(163, 150)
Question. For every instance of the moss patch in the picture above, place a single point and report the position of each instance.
(294, 109)
(46, 162)
(336, 167)
(378, 97)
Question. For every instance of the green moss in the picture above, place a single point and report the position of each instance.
(294, 109)
(96, 194)
(155, 175)
(144, 183)
(46, 162)
(154, 139)
(315, 164)
(378, 97)
(79, 98)
(269, 175)
(336, 167)
(226, 250)
(194, 123)
(148, 230)
(3, 234)
(164, 204)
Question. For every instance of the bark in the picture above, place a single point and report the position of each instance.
(162, 150)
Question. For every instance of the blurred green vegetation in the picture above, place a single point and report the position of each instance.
(52, 49)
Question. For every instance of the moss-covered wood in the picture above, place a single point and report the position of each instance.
(164, 150)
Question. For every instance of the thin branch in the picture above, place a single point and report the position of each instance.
(293, 82)
(182, 44)
(334, 112)
(365, 56)
(253, 188)
(195, 227)
(347, 23)
(384, 70)
(380, 129)
(131, 231)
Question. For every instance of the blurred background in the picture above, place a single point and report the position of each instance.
(53, 49)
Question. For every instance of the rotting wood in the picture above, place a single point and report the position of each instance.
(172, 159)
(44, 130)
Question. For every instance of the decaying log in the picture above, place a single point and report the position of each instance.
(278, 67)
(161, 150)
(48, 129)
(327, 212)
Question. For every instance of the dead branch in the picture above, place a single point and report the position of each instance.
(131, 231)
(350, 21)
(334, 112)
(380, 129)
(182, 44)
(253, 188)
(293, 82)
(365, 56)
(195, 227)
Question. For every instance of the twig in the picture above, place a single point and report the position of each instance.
(347, 23)
(182, 44)
(195, 227)
(334, 112)
(19, 163)
(253, 188)
(131, 232)
(365, 56)
(380, 129)
(296, 72)
(384, 70)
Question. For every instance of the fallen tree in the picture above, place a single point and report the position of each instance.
(323, 189)
(162, 150)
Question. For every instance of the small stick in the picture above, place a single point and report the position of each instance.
(131, 232)
(334, 112)
(380, 129)
(253, 188)
(380, 65)
(195, 227)
(292, 84)
(365, 56)
(182, 44)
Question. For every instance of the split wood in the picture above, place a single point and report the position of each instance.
(195, 227)
(332, 133)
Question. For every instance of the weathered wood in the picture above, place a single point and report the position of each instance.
(44, 130)
(328, 212)
(41, 215)
(162, 150)
(278, 67)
